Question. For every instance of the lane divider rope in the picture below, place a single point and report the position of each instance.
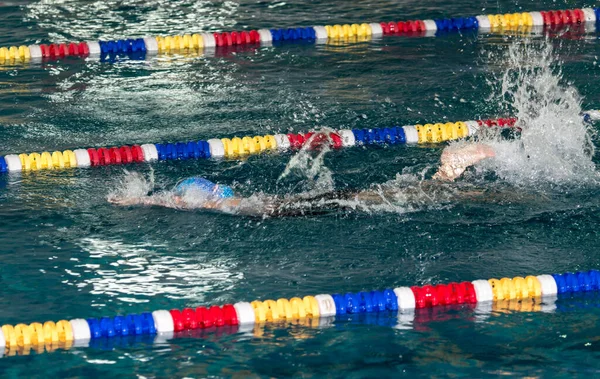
(585, 17)
(237, 147)
(532, 290)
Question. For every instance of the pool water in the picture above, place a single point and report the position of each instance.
(67, 253)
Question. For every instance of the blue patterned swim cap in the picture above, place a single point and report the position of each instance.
(204, 185)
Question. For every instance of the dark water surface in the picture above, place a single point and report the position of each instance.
(66, 253)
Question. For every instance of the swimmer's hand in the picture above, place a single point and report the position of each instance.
(125, 201)
(455, 160)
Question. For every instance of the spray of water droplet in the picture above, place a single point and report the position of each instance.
(309, 164)
(133, 185)
(555, 144)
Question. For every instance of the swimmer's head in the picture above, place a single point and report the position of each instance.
(204, 186)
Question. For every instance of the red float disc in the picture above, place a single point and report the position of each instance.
(177, 320)
(556, 17)
(421, 26)
(44, 49)
(294, 141)
(225, 39)
(53, 50)
(217, 314)
(566, 17)
(84, 49)
(104, 156)
(400, 27)
(218, 40)
(579, 16)
(456, 295)
(236, 38)
(336, 140)
(126, 154)
(384, 28)
(411, 26)
(115, 155)
(222, 39)
(317, 141)
(546, 17)
(419, 297)
(470, 294)
(94, 160)
(393, 27)
(254, 36)
(189, 318)
(137, 153)
(230, 315)
(414, 26)
(244, 38)
(204, 318)
(459, 292)
(73, 49)
(444, 294)
(560, 17)
(63, 50)
(431, 298)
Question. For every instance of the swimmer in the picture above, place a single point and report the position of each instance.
(200, 193)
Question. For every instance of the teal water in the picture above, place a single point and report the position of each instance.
(67, 253)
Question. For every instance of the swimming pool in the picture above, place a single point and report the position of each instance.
(67, 253)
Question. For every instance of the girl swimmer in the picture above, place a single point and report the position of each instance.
(200, 193)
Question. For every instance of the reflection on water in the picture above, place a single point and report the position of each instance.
(136, 273)
(92, 20)
(419, 320)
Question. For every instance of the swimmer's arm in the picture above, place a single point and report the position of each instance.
(225, 205)
(222, 204)
(235, 205)
(244, 206)
(141, 200)
(455, 161)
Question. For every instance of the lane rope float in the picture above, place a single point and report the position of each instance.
(236, 147)
(529, 293)
(348, 33)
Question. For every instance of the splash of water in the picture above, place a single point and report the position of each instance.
(133, 185)
(309, 164)
(555, 145)
(554, 148)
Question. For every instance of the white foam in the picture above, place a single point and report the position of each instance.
(555, 145)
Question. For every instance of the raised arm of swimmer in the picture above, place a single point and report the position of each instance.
(456, 159)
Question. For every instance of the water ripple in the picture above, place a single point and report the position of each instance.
(135, 273)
